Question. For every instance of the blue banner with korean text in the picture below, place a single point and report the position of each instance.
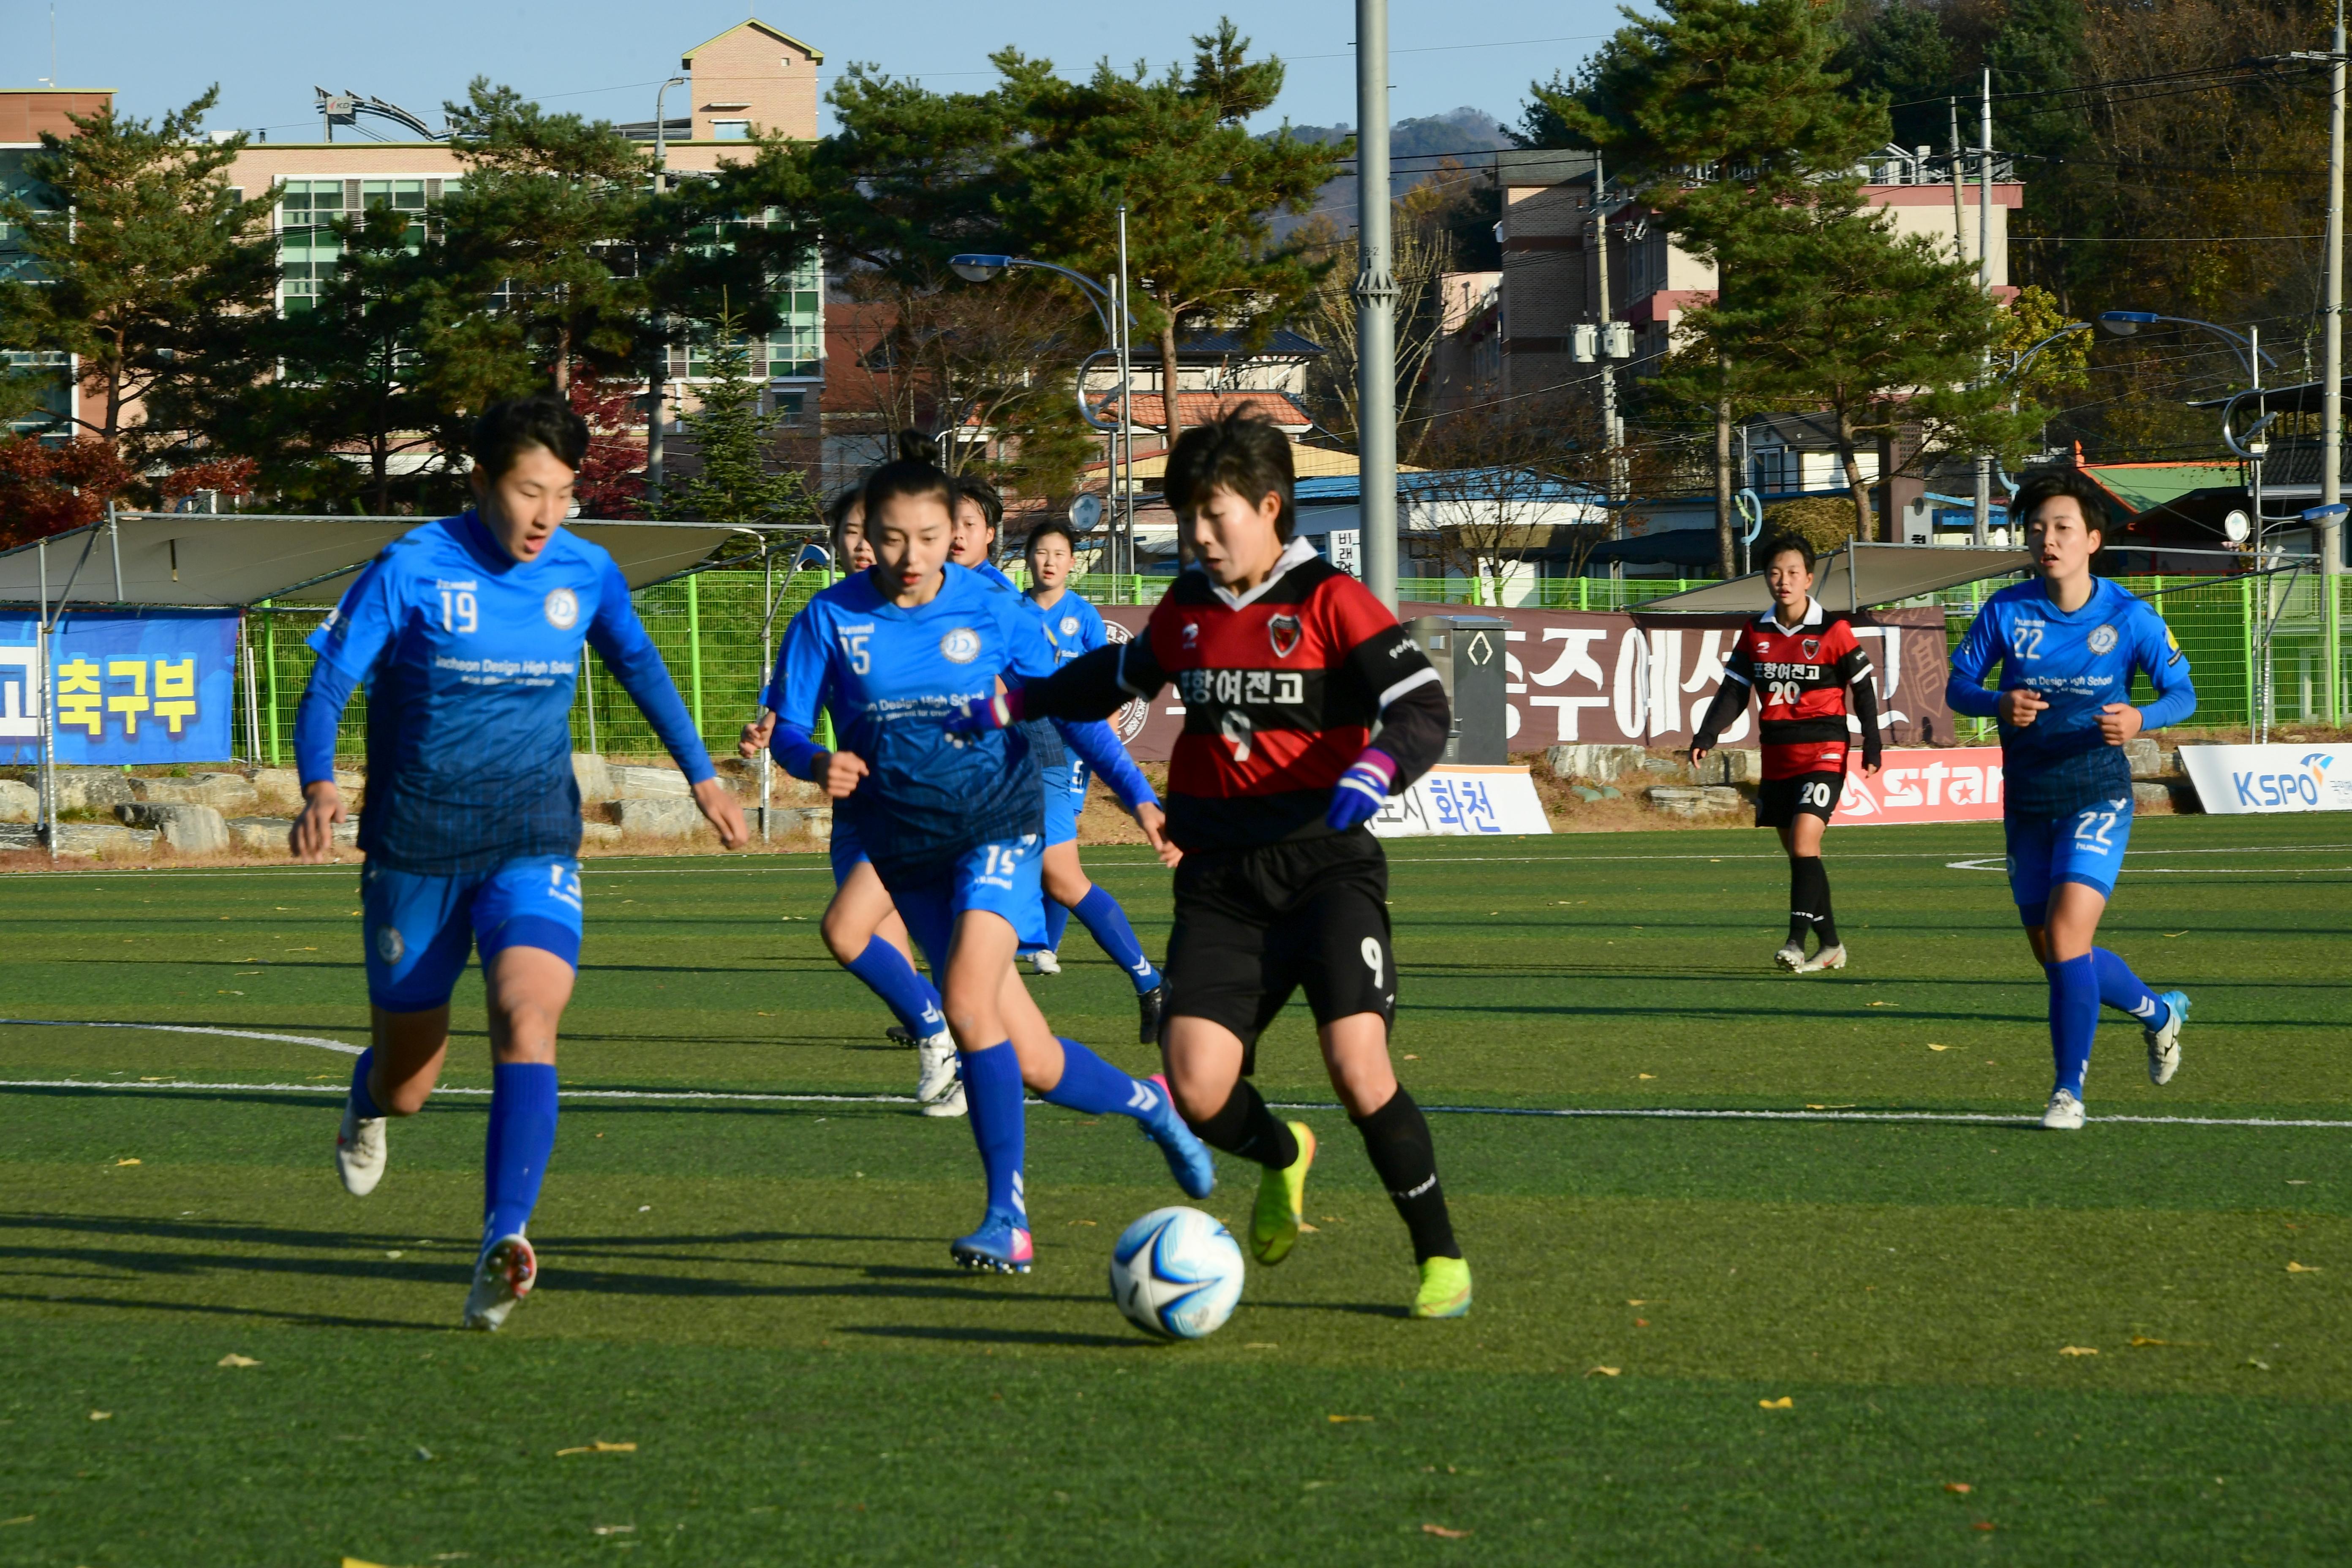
(148, 690)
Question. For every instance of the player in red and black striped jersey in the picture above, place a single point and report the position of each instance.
(1306, 705)
(1799, 663)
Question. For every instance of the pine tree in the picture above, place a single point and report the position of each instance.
(736, 438)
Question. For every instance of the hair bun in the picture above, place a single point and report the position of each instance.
(914, 446)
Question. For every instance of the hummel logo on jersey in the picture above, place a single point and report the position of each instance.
(1284, 632)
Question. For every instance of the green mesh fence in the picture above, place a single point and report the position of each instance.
(709, 630)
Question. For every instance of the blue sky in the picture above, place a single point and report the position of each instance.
(602, 57)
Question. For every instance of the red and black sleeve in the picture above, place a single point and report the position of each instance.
(1407, 696)
(1731, 697)
(1861, 678)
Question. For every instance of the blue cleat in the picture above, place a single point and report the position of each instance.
(2164, 1039)
(1000, 1246)
(1187, 1157)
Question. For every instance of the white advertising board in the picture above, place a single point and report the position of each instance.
(1457, 798)
(2239, 781)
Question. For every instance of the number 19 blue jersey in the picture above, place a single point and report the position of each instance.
(891, 677)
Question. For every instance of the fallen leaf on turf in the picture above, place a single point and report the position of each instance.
(1441, 1530)
(1261, 1345)
(1783, 1403)
(2142, 1342)
(599, 1446)
(613, 1529)
(2078, 1350)
(396, 1252)
(1878, 1003)
(2291, 1268)
(1411, 1058)
(1604, 1370)
(1645, 1075)
(1335, 1420)
(1640, 1323)
(360, 1562)
(1846, 1107)
(1305, 1227)
(2258, 1365)
(1082, 1222)
(1637, 1301)
(134, 1162)
(2174, 933)
(101, 1415)
(1935, 1048)
(1961, 1486)
(1984, 1525)
(233, 1358)
(25, 1519)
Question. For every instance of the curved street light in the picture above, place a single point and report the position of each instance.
(2124, 323)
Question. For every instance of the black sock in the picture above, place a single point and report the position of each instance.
(1247, 1129)
(1396, 1137)
(1809, 900)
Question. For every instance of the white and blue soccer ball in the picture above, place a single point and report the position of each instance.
(1177, 1272)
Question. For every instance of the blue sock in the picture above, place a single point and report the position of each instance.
(361, 1100)
(991, 1097)
(1103, 916)
(523, 1135)
(908, 994)
(2121, 989)
(2074, 1018)
(1058, 921)
(1092, 1085)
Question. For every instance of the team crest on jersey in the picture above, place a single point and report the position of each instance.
(1283, 631)
(562, 608)
(2102, 639)
(961, 646)
(389, 946)
(1069, 625)
(1812, 646)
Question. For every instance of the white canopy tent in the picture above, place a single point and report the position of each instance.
(1857, 578)
(232, 560)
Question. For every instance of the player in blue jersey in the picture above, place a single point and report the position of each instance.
(953, 825)
(861, 929)
(1076, 627)
(467, 635)
(2067, 645)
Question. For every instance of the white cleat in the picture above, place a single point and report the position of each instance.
(361, 1151)
(939, 1071)
(2065, 1114)
(2164, 1043)
(1791, 957)
(1828, 958)
(1042, 962)
(503, 1277)
(949, 1104)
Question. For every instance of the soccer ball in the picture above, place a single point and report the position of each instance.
(1176, 1272)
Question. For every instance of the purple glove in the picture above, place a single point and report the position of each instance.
(1357, 797)
(982, 714)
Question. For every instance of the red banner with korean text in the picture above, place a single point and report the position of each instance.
(1958, 783)
(1628, 678)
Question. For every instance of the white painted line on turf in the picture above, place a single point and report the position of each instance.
(1593, 1113)
(325, 1045)
(2000, 863)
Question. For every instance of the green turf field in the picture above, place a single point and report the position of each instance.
(756, 1293)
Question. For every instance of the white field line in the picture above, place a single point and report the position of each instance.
(2000, 863)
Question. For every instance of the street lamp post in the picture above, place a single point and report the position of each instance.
(657, 384)
(1108, 299)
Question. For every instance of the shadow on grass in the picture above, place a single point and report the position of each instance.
(214, 1310)
(999, 1336)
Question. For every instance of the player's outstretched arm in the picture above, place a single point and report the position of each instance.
(1964, 691)
(316, 723)
(1730, 700)
(1092, 686)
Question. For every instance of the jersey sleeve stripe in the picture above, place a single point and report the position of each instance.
(1731, 674)
(1418, 678)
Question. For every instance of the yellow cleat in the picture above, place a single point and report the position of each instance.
(1444, 1288)
(1282, 1201)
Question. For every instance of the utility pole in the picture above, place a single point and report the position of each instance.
(1981, 527)
(658, 383)
(1375, 308)
(2331, 391)
(1125, 435)
(1601, 344)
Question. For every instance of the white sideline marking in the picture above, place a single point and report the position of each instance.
(2000, 863)
(189, 1029)
(1654, 1114)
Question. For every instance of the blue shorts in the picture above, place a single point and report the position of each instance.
(420, 928)
(847, 853)
(1000, 878)
(1061, 816)
(2086, 847)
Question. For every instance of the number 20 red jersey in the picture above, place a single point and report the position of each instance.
(1799, 677)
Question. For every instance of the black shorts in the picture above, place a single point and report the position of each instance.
(1779, 801)
(1254, 925)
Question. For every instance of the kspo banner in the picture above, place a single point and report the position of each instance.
(154, 688)
(1627, 678)
(2237, 781)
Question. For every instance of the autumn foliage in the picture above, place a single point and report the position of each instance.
(47, 489)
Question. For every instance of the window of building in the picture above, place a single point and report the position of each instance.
(731, 129)
(307, 246)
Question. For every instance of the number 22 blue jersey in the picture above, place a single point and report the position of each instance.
(891, 677)
(2078, 661)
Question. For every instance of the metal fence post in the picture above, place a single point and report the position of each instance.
(2331, 631)
(269, 656)
(2246, 644)
(694, 645)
